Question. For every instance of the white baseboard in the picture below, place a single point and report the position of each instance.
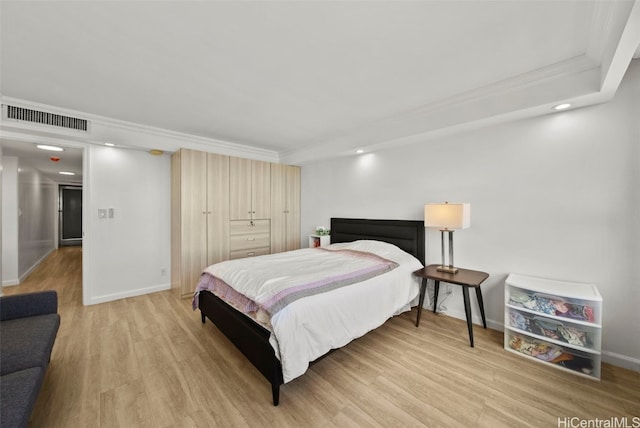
(18, 281)
(129, 293)
(34, 266)
(621, 361)
(607, 356)
(476, 319)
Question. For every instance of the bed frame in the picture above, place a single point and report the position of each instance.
(253, 340)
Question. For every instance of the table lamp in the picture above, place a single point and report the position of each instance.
(447, 217)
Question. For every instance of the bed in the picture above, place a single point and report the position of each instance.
(253, 339)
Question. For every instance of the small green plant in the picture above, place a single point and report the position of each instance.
(322, 231)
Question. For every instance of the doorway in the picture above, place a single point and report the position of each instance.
(70, 215)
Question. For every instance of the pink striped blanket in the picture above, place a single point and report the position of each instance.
(274, 281)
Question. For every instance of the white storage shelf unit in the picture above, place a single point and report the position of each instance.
(319, 240)
(557, 323)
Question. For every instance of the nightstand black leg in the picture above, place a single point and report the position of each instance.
(436, 288)
(481, 304)
(467, 312)
(423, 288)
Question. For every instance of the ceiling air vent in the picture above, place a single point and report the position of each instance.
(42, 117)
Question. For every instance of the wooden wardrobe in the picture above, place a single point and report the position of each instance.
(225, 207)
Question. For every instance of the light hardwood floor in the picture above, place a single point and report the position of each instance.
(148, 361)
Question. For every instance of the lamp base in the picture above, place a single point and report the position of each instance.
(447, 269)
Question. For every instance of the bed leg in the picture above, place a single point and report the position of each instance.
(202, 317)
(275, 390)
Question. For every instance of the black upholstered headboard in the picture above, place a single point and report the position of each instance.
(408, 235)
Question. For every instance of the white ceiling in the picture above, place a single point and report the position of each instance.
(70, 160)
(311, 79)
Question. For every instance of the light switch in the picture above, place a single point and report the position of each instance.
(102, 213)
(111, 212)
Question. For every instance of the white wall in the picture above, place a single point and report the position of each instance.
(1, 236)
(126, 254)
(123, 256)
(9, 220)
(555, 196)
(37, 216)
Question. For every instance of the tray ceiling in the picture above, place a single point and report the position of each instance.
(314, 79)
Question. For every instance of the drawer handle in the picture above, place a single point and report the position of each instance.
(251, 239)
(251, 254)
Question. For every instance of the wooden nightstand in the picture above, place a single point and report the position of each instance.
(465, 278)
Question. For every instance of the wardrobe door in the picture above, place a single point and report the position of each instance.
(240, 189)
(193, 218)
(293, 208)
(176, 221)
(217, 208)
(278, 208)
(260, 190)
(285, 208)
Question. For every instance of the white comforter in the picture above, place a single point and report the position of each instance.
(310, 327)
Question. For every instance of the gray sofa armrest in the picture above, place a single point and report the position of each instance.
(28, 305)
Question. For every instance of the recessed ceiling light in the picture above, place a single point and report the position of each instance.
(50, 148)
(67, 173)
(359, 151)
(562, 106)
(109, 144)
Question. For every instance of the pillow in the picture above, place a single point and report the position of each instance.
(382, 249)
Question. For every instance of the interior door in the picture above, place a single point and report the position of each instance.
(70, 210)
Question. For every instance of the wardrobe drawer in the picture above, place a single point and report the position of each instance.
(243, 227)
(248, 241)
(249, 253)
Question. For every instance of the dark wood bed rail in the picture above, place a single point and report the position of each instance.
(253, 340)
(248, 336)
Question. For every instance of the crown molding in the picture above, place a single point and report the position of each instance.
(589, 78)
(583, 80)
(600, 29)
(128, 134)
(616, 61)
(522, 96)
(562, 69)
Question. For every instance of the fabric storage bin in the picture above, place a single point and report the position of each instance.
(561, 332)
(554, 355)
(548, 304)
(556, 316)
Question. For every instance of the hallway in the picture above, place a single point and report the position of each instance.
(60, 271)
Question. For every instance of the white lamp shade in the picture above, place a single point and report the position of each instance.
(447, 216)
